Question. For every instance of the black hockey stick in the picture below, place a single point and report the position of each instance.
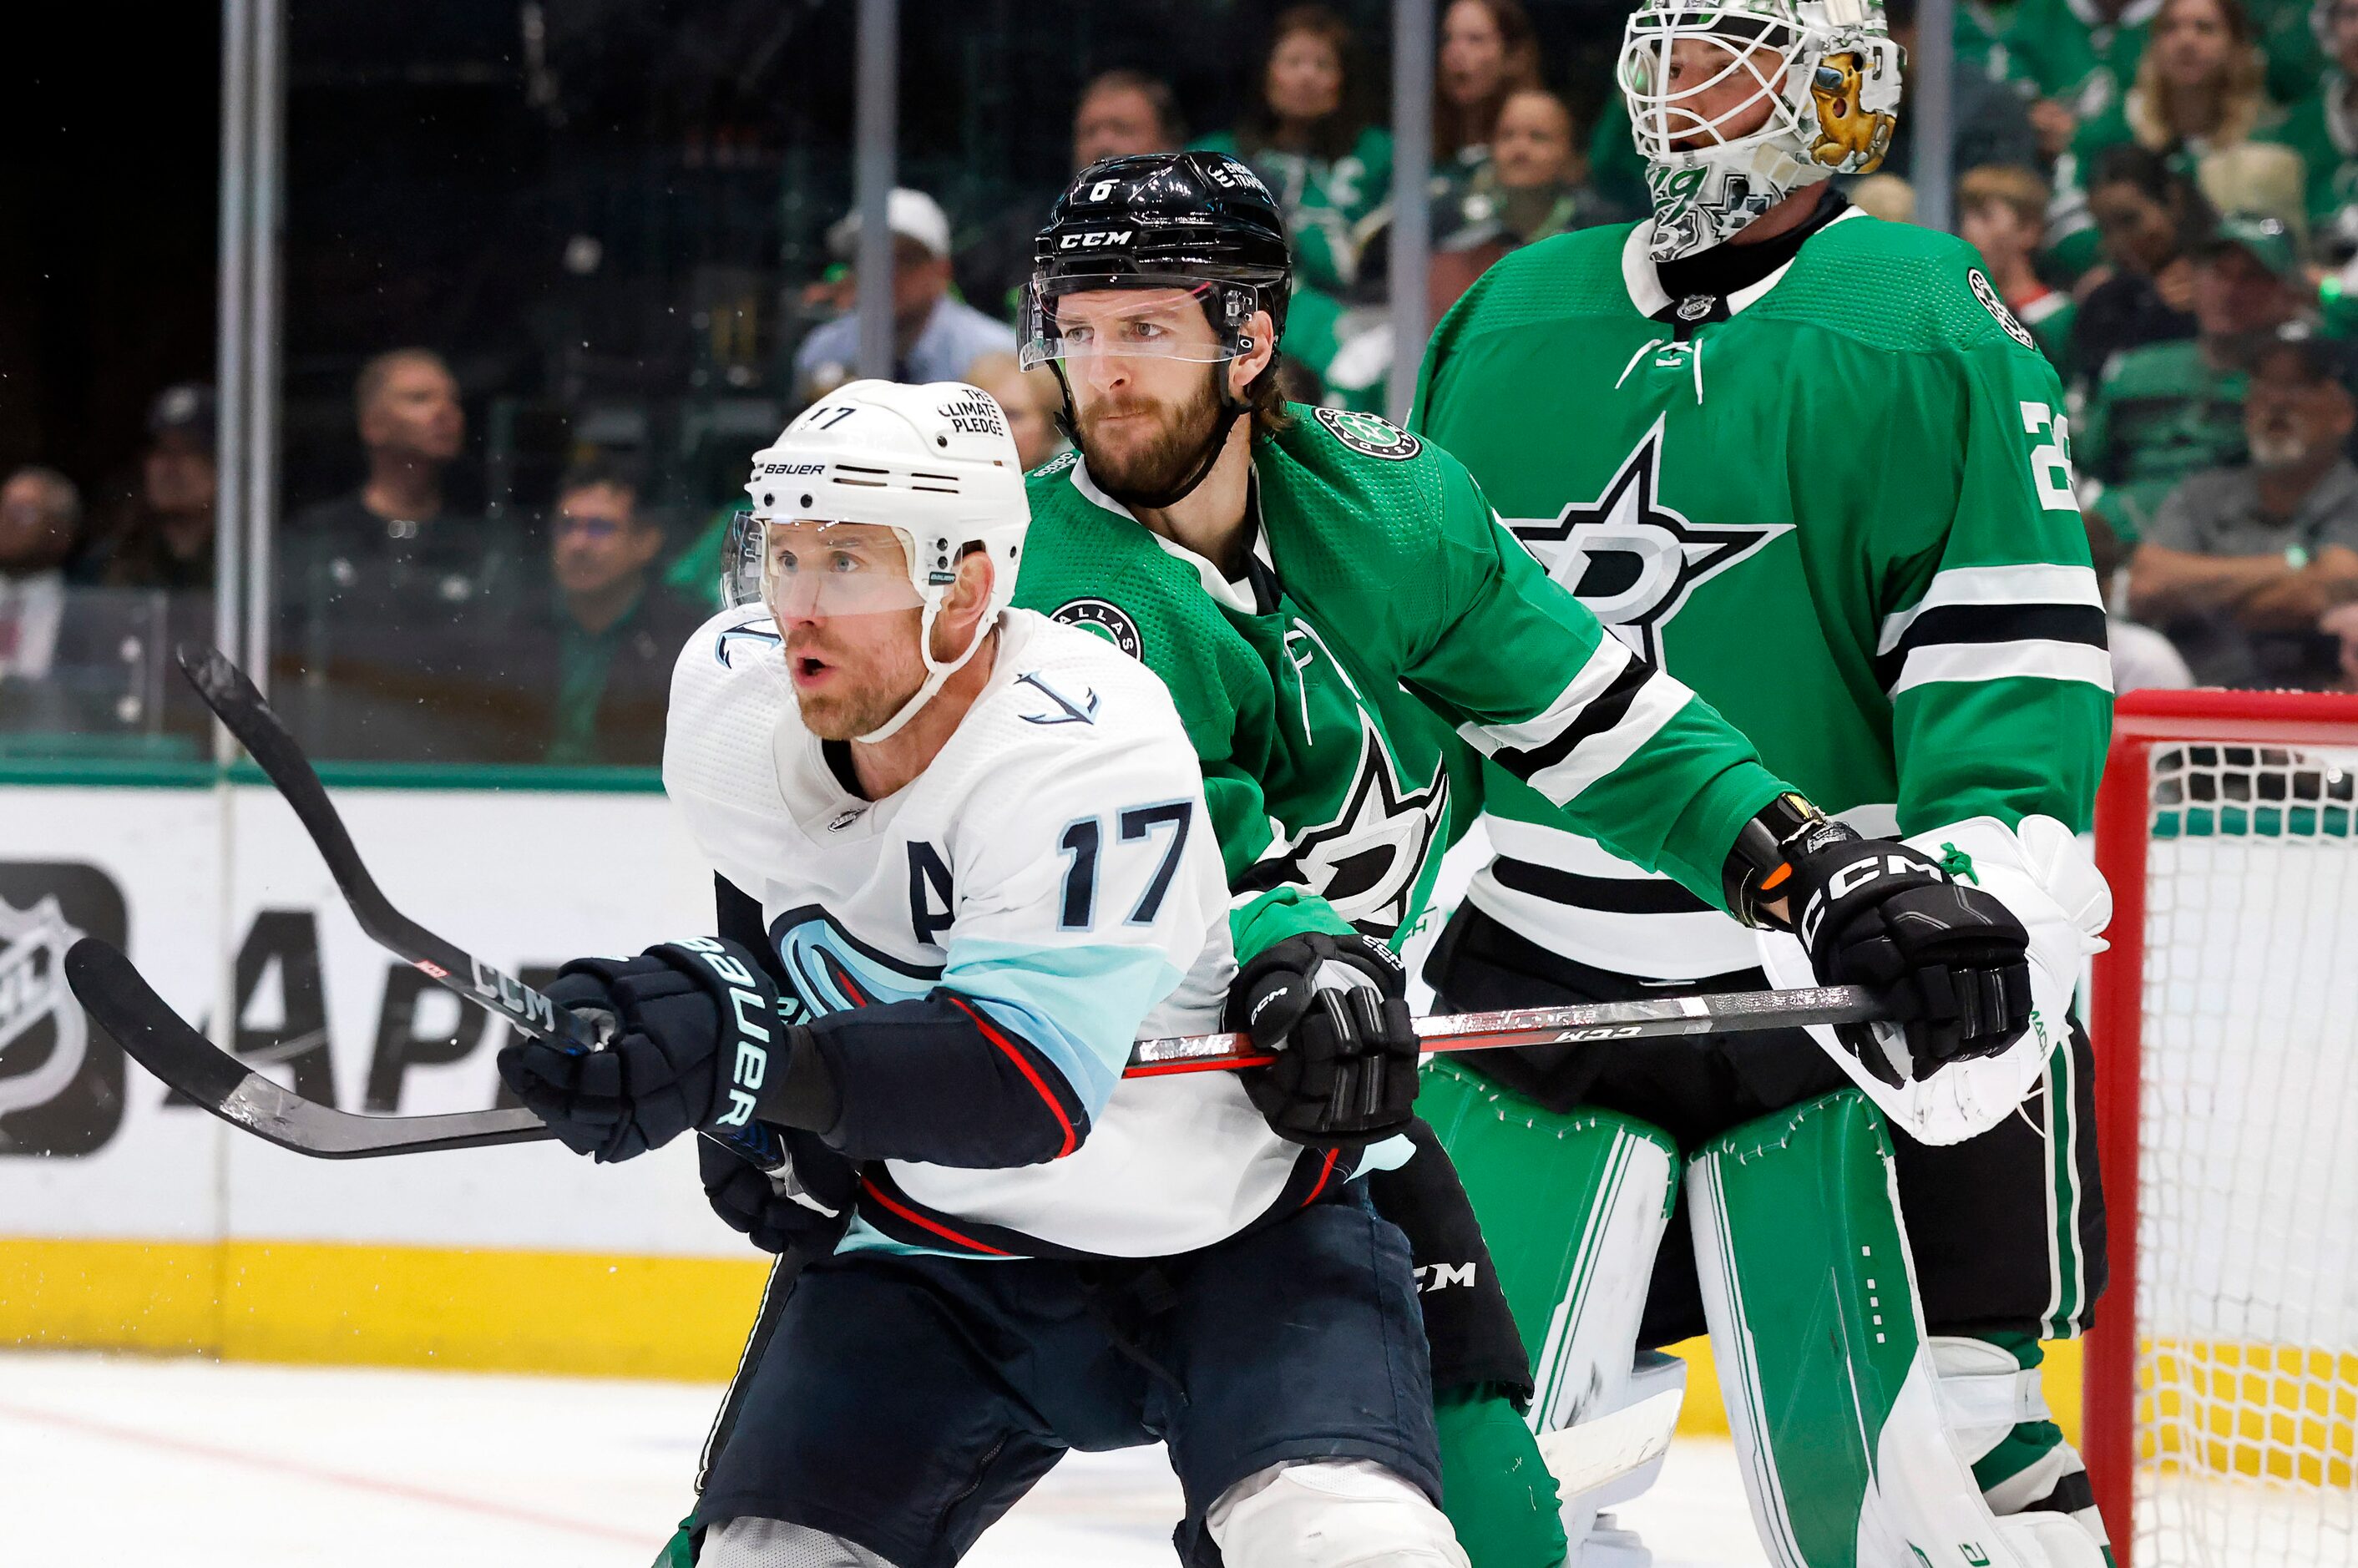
(239, 706)
(120, 998)
(144, 1023)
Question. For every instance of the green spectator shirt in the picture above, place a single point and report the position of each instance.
(2068, 51)
(1382, 607)
(2160, 413)
(1324, 200)
(2320, 128)
(1842, 514)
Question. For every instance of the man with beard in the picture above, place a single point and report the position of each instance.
(2241, 563)
(1329, 598)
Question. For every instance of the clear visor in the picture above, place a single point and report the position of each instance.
(1699, 79)
(1134, 315)
(803, 569)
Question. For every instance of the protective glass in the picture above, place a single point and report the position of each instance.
(1690, 75)
(1134, 315)
(803, 569)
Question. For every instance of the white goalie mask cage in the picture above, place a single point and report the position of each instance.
(935, 464)
(1735, 105)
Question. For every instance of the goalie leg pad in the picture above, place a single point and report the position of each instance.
(1997, 1415)
(1573, 1207)
(1832, 1393)
(1330, 1513)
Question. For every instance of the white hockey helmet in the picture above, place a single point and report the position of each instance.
(1826, 70)
(935, 463)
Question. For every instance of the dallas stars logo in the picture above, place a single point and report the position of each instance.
(1366, 860)
(1632, 560)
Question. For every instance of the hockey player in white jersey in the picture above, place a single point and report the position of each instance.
(977, 844)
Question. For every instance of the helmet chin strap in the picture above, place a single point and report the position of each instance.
(936, 672)
(1232, 408)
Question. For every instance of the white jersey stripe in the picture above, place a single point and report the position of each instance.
(1657, 702)
(1611, 656)
(2005, 660)
(2038, 583)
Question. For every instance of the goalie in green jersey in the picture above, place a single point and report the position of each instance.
(1808, 462)
(1343, 624)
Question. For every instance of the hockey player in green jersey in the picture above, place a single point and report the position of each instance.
(1329, 598)
(1807, 462)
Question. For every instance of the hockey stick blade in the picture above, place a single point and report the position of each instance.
(241, 708)
(127, 1007)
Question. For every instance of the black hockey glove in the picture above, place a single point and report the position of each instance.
(1332, 1009)
(695, 1041)
(1950, 962)
(802, 1206)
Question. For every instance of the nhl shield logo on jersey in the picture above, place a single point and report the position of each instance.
(1988, 296)
(1633, 561)
(1368, 434)
(1105, 618)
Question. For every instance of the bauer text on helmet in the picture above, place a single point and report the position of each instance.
(886, 530)
(1736, 104)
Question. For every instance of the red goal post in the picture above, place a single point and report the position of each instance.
(2224, 826)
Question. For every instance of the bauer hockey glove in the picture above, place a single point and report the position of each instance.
(1948, 962)
(802, 1206)
(694, 1040)
(1334, 1010)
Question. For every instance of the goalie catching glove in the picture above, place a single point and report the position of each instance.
(1332, 1008)
(1947, 962)
(693, 1042)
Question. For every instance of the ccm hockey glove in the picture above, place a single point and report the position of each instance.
(1334, 1010)
(1948, 962)
(802, 1206)
(693, 1042)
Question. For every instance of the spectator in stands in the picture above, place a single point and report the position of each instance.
(1530, 186)
(935, 337)
(2323, 129)
(1989, 114)
(2164, 411)
(2002, 212)
(1489, 52)
(592, 658)
(1310, 137)
(2079, 55)
(1120, 113)
(40, 519)
(2142, 657)
(2152, 220)
(1031, 399)
(166, 538)
(2242, 563)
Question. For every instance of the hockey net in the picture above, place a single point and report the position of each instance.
(2222, 1414)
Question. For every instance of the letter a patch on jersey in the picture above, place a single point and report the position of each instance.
(1632, 560)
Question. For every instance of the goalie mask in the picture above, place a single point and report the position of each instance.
(1735, 105)
(866, 505)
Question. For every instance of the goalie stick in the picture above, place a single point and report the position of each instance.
(120, 998)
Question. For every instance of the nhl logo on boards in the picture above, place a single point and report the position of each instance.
(2005, 317)
(1367, 434)
(1105, 618)
(62, 1077)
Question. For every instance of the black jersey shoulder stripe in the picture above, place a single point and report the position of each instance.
(1609, 895)
(1604, 710)
(1986, 623)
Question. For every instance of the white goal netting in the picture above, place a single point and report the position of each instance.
(2246, 1403)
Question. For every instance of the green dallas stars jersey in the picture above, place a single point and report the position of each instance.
(1842, 514)
(1381, 607)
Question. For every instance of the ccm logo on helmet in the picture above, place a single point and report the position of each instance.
(1089, 240)
(1852, 878)
(752, 1057)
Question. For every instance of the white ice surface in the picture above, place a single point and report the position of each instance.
(197, 1464)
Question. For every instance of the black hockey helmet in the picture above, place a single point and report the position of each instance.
(1198, 221)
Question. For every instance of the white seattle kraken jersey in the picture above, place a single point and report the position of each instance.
(1054, 868)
